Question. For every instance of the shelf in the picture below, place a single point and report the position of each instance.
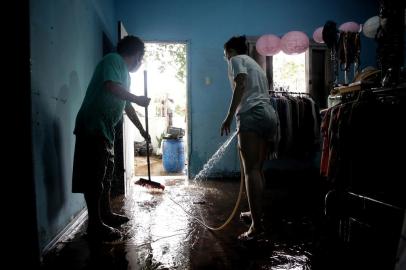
(352, 87)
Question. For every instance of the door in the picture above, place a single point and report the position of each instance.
(319, 73)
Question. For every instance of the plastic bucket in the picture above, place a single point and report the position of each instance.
(173, 155)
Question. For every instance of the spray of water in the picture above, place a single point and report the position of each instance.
(213, 160)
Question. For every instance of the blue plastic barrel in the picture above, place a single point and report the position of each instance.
(173, 155)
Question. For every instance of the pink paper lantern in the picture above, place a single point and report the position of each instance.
(268, 45)
(318, 35)
(349, 27)
(294, 42)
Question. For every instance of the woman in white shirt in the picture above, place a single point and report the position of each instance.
(257, 124)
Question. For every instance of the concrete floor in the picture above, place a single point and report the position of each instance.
(161, 235)
(164, 234)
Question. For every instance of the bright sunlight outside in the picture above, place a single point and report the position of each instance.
(165, 64)
(289, 72)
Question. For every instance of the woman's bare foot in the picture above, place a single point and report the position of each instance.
(251, 234)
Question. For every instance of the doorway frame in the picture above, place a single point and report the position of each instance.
(188, 104)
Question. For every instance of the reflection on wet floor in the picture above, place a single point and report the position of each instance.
(160, 235)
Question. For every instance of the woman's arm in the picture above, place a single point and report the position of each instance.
(240, 84)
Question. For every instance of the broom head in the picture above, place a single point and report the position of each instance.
(149, 184)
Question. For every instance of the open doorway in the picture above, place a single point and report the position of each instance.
(166, 66)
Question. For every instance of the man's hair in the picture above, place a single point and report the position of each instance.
(237, 43)
(130, 45)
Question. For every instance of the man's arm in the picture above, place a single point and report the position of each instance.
(122, 93)
(132, 114)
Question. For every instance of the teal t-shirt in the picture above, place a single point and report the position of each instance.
(101, 110)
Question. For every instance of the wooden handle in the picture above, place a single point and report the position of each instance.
(146, 122)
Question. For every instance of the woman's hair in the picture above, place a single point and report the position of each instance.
(130, 45)
(238, 43)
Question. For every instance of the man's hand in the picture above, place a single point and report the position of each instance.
(146, 136)
(142, 101)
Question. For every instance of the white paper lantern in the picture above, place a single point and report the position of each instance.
(370, 27)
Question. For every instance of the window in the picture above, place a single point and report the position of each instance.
(309, 72)
(289, 72)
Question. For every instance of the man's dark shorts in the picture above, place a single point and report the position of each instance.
(93, 163)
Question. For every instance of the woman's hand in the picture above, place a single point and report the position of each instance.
(225, 127)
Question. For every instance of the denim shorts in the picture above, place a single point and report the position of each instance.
(260, 119)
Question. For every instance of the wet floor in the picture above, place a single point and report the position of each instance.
(164, 234)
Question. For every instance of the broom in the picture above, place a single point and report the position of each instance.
(148, 183)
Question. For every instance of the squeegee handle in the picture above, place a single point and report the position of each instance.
(146, 123)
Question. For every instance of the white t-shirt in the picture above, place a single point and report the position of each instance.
(256, 91)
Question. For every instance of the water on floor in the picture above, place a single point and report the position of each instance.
(164, 234)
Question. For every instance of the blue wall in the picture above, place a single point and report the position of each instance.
(206, 25)
(66, 44)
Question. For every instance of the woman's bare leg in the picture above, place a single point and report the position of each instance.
(250, 145)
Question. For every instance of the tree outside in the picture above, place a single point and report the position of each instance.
(166, 65)
(171, 55)
(289, 72)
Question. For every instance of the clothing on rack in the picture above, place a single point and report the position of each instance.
(333, 100)
(299, 120)
(363, 143)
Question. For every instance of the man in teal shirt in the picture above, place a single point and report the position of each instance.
(106, 98)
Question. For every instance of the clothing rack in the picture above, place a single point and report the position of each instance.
(350, 96)
(354, 96)
(392, 90)
(288, 92)
(335, 97)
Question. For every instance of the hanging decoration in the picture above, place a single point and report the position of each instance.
(370, 27)
(318, 35)
(268, 45)
(294, 42)
(349, 27)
